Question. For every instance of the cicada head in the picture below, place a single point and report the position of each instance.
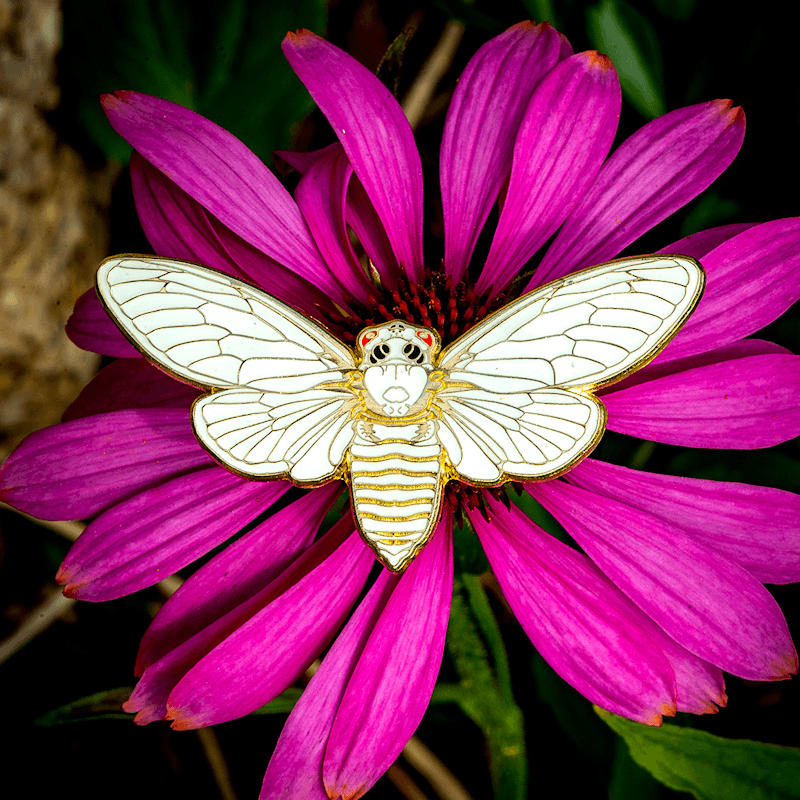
(396, 359)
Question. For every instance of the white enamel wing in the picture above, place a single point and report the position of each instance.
(511, 399)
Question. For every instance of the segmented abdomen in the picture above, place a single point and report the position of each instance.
(396, 489)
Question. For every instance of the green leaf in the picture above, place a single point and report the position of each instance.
(467, 550)
(541, 11)
(709, 767)
(100, 705)
(573, 712)
(282, 704)
(631, 42)
(225, 63)
(487, 701)
(681, 10)
(710, 210)
(248, 87)
(629, 781)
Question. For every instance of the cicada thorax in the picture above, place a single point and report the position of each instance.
(396, 480)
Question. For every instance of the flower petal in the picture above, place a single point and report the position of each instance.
(710, 605)
(175, 225)
(295, 769)
(130, 383)
(219, 172)
(375, 135)
(321, 195)
(741, 404)
(699, 686)
(240, 571)
(652, 174)
(698, 244)
(369, 230)
(588, 631)
(753, 525)
(159, 531)
(482, 123)
(149, 698)
(275, 646)
(393, 680)
(360, 214)
(729, 352)
(286, 160)
(91, 329)
(75, 470)
(567, 131)
(751, 280)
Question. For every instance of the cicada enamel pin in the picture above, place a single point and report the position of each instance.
(511, 399)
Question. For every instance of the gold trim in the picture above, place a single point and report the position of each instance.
(368, 515)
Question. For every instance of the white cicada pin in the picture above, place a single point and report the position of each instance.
(511, 399)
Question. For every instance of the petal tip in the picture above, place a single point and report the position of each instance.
(182, 721)
(598, 61)
(733, 115)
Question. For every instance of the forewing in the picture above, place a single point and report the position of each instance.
(215, 331)
(303, 436)
(493, 437)
(585, 330)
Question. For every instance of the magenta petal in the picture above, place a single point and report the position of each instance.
(742, 404)
(567, 131)
(130, 383)
(159, 531)
(751, 280)
(91, 329)
(375, 135)
(149, 698)
(393, 680)
(698, 244)
(175, 225)
(586, 629)
(302, 162)
(729, 352)
(653, 173)
(219, 172)
(369, 230)
(482, 123)
(710, 605)
(322, 195)
(360, 215)
(237, 573)
(295, 769)
(753, 525)
(273, 647)
(77, 469)
(699, 686)
(179, 227)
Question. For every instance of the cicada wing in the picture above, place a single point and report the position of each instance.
(490, 438)
(215, 331)
(303, 436)
(583, 331)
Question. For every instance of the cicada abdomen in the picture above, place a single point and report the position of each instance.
(396, 482)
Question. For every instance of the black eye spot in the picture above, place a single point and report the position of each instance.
(413, 353)
(379, 353)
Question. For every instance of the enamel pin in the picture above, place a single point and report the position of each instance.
(511, 399)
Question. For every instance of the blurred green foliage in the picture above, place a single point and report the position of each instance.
(225, 63)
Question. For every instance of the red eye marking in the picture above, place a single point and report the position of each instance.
(426, 337)
(369, 335)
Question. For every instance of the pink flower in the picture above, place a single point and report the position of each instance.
(670, 590)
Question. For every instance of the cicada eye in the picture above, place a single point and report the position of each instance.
(413, 353)
(379, 353)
